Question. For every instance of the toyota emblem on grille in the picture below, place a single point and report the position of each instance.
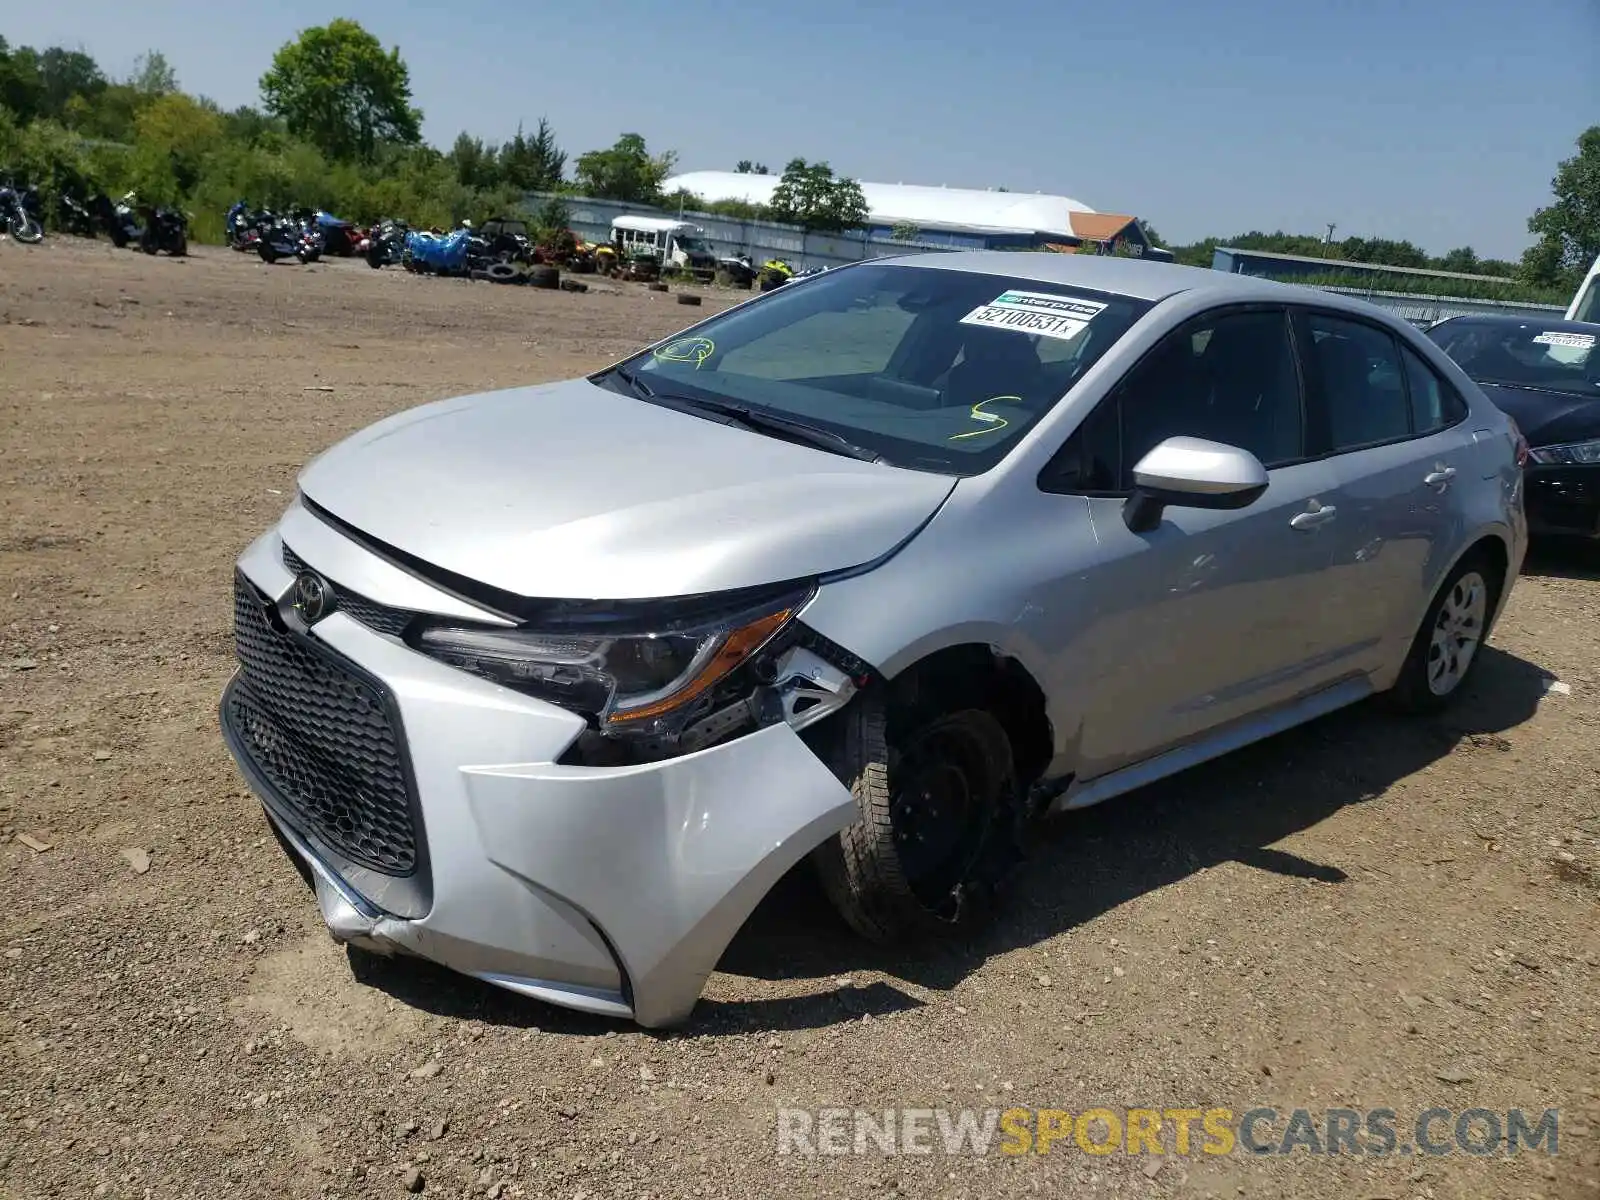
(313, 598)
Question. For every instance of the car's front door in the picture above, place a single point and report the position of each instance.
(1213, 615)
(1393, 435)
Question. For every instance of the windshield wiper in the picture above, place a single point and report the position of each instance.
(754, 419)
(631, 378)
(784, 427)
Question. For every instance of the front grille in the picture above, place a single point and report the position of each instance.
(326, 739)
(369, 612)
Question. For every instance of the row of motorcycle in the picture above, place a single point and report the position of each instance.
(127, 222)
(501, 250)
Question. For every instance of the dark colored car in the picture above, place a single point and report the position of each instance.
(1546, 376)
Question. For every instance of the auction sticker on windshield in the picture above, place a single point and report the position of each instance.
(1063, 317)
(1578, 341)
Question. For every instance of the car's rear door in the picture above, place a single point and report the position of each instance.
(1394, 435)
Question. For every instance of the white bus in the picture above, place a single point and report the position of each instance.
(1586, 304)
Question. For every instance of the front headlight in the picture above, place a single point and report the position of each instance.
(1570, 454)
(626, 680)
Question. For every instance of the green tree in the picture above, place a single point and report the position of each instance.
(174, 134)
(627, 171)
(1568, 230)
(21, 89)
(905, 231)
(64, 74)
(533, 164)
(335, 87)
(1385, 251)
(746, 167)
(1462, 259)
(153, 75)
(811, 196)
(551, 222)
(476, 165)
(739, 210)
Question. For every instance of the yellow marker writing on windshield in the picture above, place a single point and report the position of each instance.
(994, 421)
(695, 350)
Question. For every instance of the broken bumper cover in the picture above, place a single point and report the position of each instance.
(612, 890)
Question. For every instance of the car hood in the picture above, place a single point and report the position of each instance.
(1547, 418)
(573, 491)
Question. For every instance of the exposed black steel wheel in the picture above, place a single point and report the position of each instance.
(937, 826)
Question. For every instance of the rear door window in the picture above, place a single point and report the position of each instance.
(1434, 403)
(1363, 385)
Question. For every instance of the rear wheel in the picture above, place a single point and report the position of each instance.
(1448, 644)
(935, 827)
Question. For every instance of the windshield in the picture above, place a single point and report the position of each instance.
(1525, 354)
(694, 245)
(932, 369)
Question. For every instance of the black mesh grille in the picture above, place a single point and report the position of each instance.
(324, 737)
(369, 612)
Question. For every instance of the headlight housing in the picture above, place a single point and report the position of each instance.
(1569, 454)
(644, 672)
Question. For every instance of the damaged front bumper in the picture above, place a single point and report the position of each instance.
(612, 890)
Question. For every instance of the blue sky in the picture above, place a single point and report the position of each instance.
(1441, 121)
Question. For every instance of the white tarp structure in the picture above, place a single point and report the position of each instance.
(924, 207)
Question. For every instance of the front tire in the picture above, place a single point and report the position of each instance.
(26, 230)
(1450, 641)
(935, 827)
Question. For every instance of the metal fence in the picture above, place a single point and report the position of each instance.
(1428, 309)
(762, 240)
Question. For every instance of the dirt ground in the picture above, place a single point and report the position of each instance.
(1365, 912)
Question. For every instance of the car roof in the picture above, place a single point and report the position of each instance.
(1132, 277)
(1545, 324)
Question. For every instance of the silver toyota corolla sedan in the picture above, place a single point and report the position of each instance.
(551, 684)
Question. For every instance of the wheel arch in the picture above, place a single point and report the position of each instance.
(982, 675)
(1493, 543)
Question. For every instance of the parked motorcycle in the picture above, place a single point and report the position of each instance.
(119, 219)
(339, 236)
(387, 243)
(286, 236)
(242, 225)
(775, 272)
(20, 213)
(74, 216)
(164, 229)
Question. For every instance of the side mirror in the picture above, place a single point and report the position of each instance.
(1192, 473)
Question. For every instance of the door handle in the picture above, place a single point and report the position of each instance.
(1313, 517)
(1440, 478)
